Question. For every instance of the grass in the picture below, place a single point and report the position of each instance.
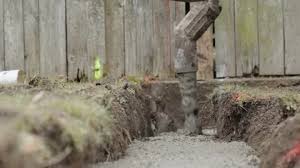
(70, 122)
(290, 99)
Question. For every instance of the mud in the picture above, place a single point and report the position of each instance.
(177, 151)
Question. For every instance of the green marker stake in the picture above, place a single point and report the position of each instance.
(98, 69)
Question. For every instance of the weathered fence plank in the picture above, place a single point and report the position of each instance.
(115, 37)
(14, 34)
(53, 38)
(131, 37)
(205, 53)
(77, 39)
(162, 39)
(96, 38)
(136, 37)
(86, 37)
(31, 37)
(292, 36)
(271, 41)
(145, 36)
(177, 14)
(225, 37)
(2, 56)
(247, 56)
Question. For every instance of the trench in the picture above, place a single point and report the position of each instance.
(170, 148)
(253, 122)
(239, 126)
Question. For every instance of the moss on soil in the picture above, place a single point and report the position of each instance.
(241, 94)
(70, 124)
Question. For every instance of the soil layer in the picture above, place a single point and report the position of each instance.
(128, 116)
(264, 118)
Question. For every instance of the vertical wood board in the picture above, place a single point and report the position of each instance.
(145, 37)
(86, 37)
(96, 46)
(77, 39)
(205, 53)
(2, 56)
(271, 41)
(247, 55)
(115, 37)
(292, 36)
(31, 37)
(162, 38)
(53, 38)
(131, 37)
(14, 34)
(225, 41)
(177, 14)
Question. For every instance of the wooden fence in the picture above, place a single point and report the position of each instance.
(64, 37)
(135, 37)
(258, 36)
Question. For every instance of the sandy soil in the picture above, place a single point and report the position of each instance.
(178, 151)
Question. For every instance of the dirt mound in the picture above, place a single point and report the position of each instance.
(70, 127)
(283, 151)
(251, 115)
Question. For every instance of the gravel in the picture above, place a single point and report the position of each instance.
(173, 150)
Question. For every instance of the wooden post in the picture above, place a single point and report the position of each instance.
(205, 54)
(189, 30)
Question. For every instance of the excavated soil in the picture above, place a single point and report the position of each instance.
(264, 118)
(251, 114)
(128, 105)
(283, 151)
(168, 99)
(252, 122)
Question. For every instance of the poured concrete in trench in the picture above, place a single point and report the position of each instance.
(173, 150)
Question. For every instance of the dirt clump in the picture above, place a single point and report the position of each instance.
(252, 114)
(70, 125)
(283, 151)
